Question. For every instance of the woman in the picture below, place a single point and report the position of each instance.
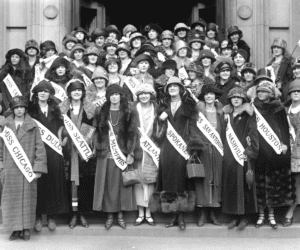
(181, 31)
(91, 60)
(20, 72)
(196, 43)
(136, 40)
(174, 190)
(166, 48)
(146, 167)
(144, 63)
(32, 51)
(281, 64)
(52, 192)
(238, 195)
(110, 46)
(76, 55)
(112, 66)
(152, 32)
(110, 195)
(123, 52)
(81, 35)
(293, 107)
(196, 78)
(274, 186)
(81, 112)
(239, 59)
(181, 56)
(235, 40)
(248, 74)
(68, 42)
(211, 39)
(127, 31)
(48, 55)
(208, 189)
(98, 37)
(226, 48)
(296, 75)
(19, 212)
(113, 32)
(206, 59)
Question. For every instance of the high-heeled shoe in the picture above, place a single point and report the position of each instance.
(288, 222)
(261, 221)
(83, 221)
(74, 221)
(173, 222)
(213, 218)
(109, 223)
(15, 235)
(150, 221)
(233, 224)
(139, 220)
(122, 223)
(272, 221)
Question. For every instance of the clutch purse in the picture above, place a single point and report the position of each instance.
(130, 176)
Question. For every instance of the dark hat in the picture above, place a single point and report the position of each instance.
(129, 28)
(79, 29)
(242, 52)
(199, 22)
(18, 101)
(263, 73)
(112, 89)
(11, 52)
(210, 88)
(222, 66)
(146, 47)
(123, 46)
(169, 64)
(75, 84)
(232, 30)
(60, 61)
(109, 41)
(77, 46)
(225, 45)
(98, 32)
(44, 85)
(113, 28)
(237, 91)
(143, 57)
(207, 53)
(196, 36)
(69, 38)
(173, 80)
(294, 85)
(152, 26)
(32, 44)
(110, 60)
(48, 45)
(195, 68)
(296, 63)
(249, 67)
(213, 27)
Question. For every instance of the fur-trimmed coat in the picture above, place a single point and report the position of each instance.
(51, 75)
(237, 198)
(273, 172)
(242, 45)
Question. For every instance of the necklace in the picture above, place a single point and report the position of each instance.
(112, 120)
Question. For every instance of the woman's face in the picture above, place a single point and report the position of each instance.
(50, 52)
(92, 58)
(123, 54)
(79, 35)
(277, 51)
(43, 95)
(19, 111)
(143, 66)
(182, 52)
(111, 50)
(167, 42)
(199, 27)
(99, 82)
(113, 35)
(248, 76)
(76, 94)
(226, 52)
(192, 75)
(196, 45)
(144, 98)
(113, 67)
(239, 61)
(115, 98)
(210, 97)
(225, 74)
(136, 43)
(263, 96)
(211, 34)
(181, 33)
(235, 37)
(169, 72)
(32, 52)
(152, 34)
(236, 101)
(295, 95)
(296, 72)
(15, 59)
(100, 41)
(70, 45)
(61, 70)
(206, 61)
(174, 90)
(78, 54)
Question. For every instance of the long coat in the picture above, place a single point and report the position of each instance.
(53, 192)
(237, 198)
(229, 84)
(273, 172)
(19, 196)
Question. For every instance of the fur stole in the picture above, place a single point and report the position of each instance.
(272, 107)
(202, 107)
(127, 128)
(51, 75)
(246, 107)
(22, 71)
(88, 107)
(54, 109)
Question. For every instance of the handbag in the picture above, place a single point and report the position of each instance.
(130, 176)
(195, 170)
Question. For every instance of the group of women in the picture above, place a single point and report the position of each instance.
(157, 121)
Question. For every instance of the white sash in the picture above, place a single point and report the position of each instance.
(177, 142)
(211, 134)
(60, 93)
(11, 86)
(49, 138)
(117, 154)
(267, 132)
(182, 74)
(77, 139)
(37, 79)
(87, 81)
(17, 153)
(192, 95)
(99, 102)
(132, 83)
(76, 63)
(292, 129)
(234, 143)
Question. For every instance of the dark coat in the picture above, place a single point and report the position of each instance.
(37, 61)
(53, 193)
(237, 198)
(231, 83)
(243, 45)
(19, 196)
(51, 75)
(273, 171)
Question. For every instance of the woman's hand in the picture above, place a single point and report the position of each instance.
(130, 159)
(37, 175)
(64, 142)
(284, 149)
(163, 116)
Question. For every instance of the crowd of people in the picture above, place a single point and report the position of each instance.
(151, 121)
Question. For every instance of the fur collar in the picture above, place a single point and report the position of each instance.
(272, 107)
(88, 107)
(22, 70)
(27, 124)
(162, 80)
(246, 107)
(54, 109)
(202, 107)
(91, 93)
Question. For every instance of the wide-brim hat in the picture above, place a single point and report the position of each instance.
(123, 46)
(222, 66)
(237, 91)
(152, 26)
(145, 88)
(169, 64)
(77, 46)
(173, 80)
(294, 85)
(143, 57)
(263, 73)
(206, 53)
(146, 47)
(18, 101)
(249, 67)
(279, 42)
(210, 88)
(267, 87)
(69, 38)
(44, 85)
(200, 22)
(91, 51)
(232, 30)
(179, 26)
(136, 34)
(196, 36)
(167, 34)
(112, 89)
